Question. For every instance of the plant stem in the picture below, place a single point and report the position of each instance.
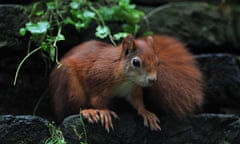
(56, 48)
(21, 63)
(84, 128)
(103, 24)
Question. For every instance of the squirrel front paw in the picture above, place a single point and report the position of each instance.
(150, 120)
(104, 115)
(90, 115)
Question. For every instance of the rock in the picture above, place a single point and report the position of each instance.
(215, 129)
(198, 129)
(17, 2)
(12, 19)
(33, 75)
(160, 2)
(32, 84)
(129, 129)
(23, 130)
(202, 26)
(222, 77)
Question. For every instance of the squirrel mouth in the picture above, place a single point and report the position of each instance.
(145, 84)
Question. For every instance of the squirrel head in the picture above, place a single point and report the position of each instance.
(140, 61)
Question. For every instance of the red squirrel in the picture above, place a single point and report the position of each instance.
(157, 66)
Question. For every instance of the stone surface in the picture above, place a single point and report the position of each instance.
(160, 2)
(33, 75)
(222, 77)
(215, 129)
(202, 26)
(129, 129)
(199, 129)
(12, 19)
(23, 130)
(17, 1)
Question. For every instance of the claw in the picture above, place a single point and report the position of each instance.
(101, 118)
(114, 115)
(103, 115)
(90, 114)
(111, 125)
(150, 120)
(106, 119)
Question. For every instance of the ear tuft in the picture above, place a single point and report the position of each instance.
(128, 44)
(150, 40)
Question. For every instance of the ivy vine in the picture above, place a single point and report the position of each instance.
(46, 18)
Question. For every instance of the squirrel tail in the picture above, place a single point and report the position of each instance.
(178, 89)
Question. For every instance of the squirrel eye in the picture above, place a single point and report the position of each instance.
(136, 62)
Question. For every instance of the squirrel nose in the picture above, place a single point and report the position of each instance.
(151, 80)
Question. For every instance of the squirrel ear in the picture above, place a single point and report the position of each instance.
(128, 44)
(150, 40)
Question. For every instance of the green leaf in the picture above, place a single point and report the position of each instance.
(79, 15)
(51, 39)
(51, 5)
(136, 16)
(39, 13)
(148, 33)
(45, 47)
(69, 20)
(127, 12)
(74, 13)
(130, 28)
(102, 31)
(44, 24)
(120, 35)
(52, 53)
(60, 37)
(22, 31)
(123, 2)
(88, 14)
(38, 28)
(106, 12)
(79, 25)
(75, 5)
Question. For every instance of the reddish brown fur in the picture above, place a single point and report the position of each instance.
(70, 91)
(178, 90)
(93, 70)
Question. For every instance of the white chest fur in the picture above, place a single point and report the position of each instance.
(124, 90)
